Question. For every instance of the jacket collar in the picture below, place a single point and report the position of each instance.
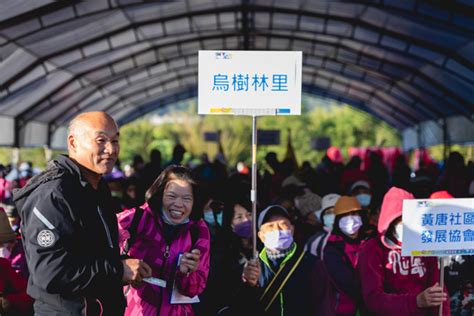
(67, 163)
(263, 256)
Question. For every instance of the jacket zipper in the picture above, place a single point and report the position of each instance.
(165, 257)
(107, 232)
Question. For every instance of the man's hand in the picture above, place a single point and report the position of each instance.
(134, 271)
(432, 296)
(251, 272)
(190, 261)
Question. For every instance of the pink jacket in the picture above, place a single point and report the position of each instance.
(3, 189)
(150, 246)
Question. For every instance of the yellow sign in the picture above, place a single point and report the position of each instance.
(221, 110)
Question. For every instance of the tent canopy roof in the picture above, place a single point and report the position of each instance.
(405, 62)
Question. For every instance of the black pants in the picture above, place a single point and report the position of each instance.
(44, 309)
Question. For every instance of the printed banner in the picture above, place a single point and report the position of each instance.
(438, 227)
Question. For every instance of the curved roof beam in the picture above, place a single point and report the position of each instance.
(337, 47)
(257, 8)
(431, 48)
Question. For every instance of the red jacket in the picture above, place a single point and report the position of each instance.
(390, 282)
(13, 288)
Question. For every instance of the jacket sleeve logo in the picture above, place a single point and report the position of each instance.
(46, 238)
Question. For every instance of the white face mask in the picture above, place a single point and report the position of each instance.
(398, 234)
(350, 224)
(5, 252)
(278, 239)
(328, 220)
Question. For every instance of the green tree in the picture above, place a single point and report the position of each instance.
(345, 126)
(136, 139)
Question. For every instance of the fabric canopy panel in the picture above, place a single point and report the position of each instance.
(459, 130)
(405, 62)
(7, 126)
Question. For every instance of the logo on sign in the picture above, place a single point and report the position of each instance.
(223, 55)
(424, 204)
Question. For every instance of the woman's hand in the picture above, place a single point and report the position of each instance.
(432, 296)
(190, 261)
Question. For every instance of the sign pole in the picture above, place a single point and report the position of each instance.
(250, 83)
(253, 193)
(441, 281)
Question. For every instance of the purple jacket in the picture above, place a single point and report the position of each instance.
(150, 246)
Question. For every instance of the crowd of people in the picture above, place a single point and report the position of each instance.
(176, 239)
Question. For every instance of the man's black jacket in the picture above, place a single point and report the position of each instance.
(70, 236)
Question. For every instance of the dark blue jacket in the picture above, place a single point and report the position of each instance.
(305, 293)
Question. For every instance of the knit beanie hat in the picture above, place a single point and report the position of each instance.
(307, 203)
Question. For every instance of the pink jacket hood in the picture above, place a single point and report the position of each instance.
(392, 206)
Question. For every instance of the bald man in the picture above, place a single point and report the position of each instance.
(70, 229)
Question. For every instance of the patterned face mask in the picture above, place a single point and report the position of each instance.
(350, 224)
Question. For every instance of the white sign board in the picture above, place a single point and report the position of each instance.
(438, 227)
(249, 82)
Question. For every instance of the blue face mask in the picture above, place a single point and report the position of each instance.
(167, 219)
(364, 199)
(329, 220)
(209, 218)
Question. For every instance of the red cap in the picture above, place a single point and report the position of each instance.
(441, 195)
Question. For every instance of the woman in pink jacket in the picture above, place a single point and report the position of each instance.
(393, 285)
(173, 245)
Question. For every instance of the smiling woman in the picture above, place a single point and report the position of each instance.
(177, 201)
(174, 245)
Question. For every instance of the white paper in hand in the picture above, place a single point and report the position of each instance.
(178, 298)
(155, 281)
